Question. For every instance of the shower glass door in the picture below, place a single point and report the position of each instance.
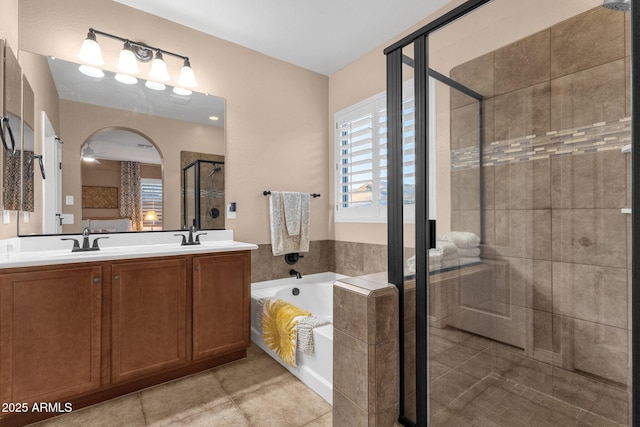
(528, 291)
(538, 332)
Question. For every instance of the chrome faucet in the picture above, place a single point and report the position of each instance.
(85, 242)
(293, 272)
(194, 239)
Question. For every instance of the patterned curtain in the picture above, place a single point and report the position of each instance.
(130, 193)
(13, 180)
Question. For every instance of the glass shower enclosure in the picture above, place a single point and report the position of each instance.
(516, 138)
(203, 195)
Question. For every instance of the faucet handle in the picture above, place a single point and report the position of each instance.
(95, 242)
(198, 237)
(184, 239)
(76, 244)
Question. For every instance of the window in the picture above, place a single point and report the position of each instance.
(151, 190)
(361, 159)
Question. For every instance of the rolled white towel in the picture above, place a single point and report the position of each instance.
(449, 250)
(469, 252)
(462, 239)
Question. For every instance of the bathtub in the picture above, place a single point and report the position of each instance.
(316, 296)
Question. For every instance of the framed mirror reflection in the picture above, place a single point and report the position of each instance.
(98, 132)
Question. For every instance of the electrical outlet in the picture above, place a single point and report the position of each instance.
(6, 217)
(68, 200)
(25, 217)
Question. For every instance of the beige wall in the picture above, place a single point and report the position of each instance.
(276, 128)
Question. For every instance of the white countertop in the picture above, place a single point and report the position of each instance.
(50, 250)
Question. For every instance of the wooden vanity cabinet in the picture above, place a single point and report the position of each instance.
(84, 333)
(148, 316)
(50, 333)
(221, 304)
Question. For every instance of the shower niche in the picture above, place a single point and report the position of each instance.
(203, 194)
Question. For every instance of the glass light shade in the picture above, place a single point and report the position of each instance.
(88, 159)
(127, 63)
(91, 71)
(126, 79)
(159, 72)
(151, 216)
(154, 85)
(90, 51)
(187, 76)
(182, 91)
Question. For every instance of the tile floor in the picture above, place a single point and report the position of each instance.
(467, 390)
(254, 392)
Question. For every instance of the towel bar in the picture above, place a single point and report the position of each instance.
(267, 192)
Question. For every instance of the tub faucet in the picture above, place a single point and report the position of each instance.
(293, 272)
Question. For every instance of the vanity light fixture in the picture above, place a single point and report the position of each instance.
(90, 51)
(134, 52)
(127, 62)
(159, 72)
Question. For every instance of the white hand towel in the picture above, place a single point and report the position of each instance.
(292, 212)
(281, 241)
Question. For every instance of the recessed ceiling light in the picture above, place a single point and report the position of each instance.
(214, 118)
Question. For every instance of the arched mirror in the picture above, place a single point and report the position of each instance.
(121, 173)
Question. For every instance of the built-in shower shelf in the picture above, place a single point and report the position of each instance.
(626, 148)
(626, 211)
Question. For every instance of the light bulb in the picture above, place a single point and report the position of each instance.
(90, 51)
(154, 85)
(126, 79)
(127, 63)
(91, 71)
(182, 91)
(159, 72)
(187, 76)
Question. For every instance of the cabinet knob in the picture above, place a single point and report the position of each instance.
(116, 277)
(96, 280)
(196, 268)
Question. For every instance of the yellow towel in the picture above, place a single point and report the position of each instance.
(279, 328)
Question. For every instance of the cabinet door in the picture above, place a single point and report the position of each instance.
(221, 305)
(148, 317)
(50, 336)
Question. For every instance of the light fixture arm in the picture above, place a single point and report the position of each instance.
(139, 45)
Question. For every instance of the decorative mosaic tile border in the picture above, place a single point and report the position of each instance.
(601, 136)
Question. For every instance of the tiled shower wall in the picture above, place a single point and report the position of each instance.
(555, 181)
